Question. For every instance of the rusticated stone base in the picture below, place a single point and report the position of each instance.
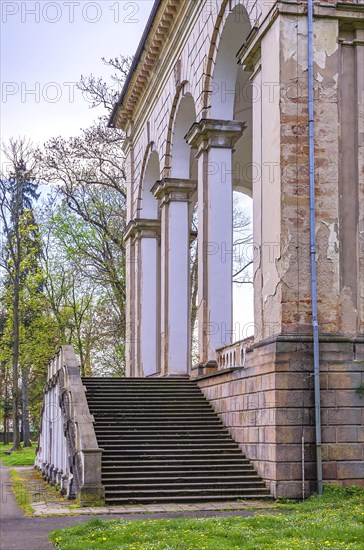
(269, 408)
(91, 495)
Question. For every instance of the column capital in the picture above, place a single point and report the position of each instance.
(142, 228)
(174, 189)
(208, 133)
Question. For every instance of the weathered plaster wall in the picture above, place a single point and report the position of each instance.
(294, 264)
(270, 251)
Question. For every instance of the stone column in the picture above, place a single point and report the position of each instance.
(143, 298)
(214, 141)
(174, 195)
(130, 323)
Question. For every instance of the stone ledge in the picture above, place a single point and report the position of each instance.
(218, 373)
(43, 510)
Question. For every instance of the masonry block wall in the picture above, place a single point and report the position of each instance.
(269, 407)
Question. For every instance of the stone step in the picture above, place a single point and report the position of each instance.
(155, 437)
(184, 414)
(242, 491)
(185, 455)
(163, 442)
(157, 405)
(187, 479)
(183, 487)
(142, 400)
(159, 427)
(165, 431)
(173, 444)
(138, 383)
(208, 499)
(184, 460)
(140, 391)
(156, 471)
(161, 423)
(158, 408)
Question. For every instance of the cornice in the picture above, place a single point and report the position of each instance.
(174, 189)
(142, 227)
(144, 70)
(208, 133)
(159, 29)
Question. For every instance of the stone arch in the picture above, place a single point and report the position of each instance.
(150, 173)
(181, 91)
(231, 30)
(228, 96)
(182, 155)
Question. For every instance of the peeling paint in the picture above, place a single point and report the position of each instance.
(295, 41)
(332, 242)
(325, 40)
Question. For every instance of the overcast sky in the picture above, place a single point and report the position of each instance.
(46, 46)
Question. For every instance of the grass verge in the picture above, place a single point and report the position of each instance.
(23, 457)
(20, 492)
(335, 521)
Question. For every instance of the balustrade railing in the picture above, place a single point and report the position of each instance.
(67, 453)
(234, 355)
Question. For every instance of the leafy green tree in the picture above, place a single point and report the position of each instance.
(17, 191)
(85, 285)
(24, 345)
(87, 226)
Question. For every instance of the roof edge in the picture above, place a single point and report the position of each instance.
(136, 59)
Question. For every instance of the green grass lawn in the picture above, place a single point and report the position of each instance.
(23, 457)
(335, 521)
(20, 492)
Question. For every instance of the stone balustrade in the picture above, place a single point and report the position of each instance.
(67, 454)
(234, 355)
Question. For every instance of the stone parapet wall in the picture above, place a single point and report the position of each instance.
(268, 407)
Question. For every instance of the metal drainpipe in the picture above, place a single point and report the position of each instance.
(315, 326)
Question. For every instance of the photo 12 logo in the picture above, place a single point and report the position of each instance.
(71, 12)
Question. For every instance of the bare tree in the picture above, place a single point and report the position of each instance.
(104, 93)
(242, 245)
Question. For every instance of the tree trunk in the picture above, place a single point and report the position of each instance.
(6, 409)
(15, 362)
(24, 404)
(15, 392)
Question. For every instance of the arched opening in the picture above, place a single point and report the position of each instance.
(147, 295)
(227, 73)
(244, 173)
(149, 204)
(193, 223)
(174, 193)
(243, 293)
(184, 166)
(183, 158)
(231, 99)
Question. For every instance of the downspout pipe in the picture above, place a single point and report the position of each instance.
(315, 326)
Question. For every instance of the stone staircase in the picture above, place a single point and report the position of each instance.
(163, 442)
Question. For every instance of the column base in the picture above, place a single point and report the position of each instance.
(91, 495)
(200, 369)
